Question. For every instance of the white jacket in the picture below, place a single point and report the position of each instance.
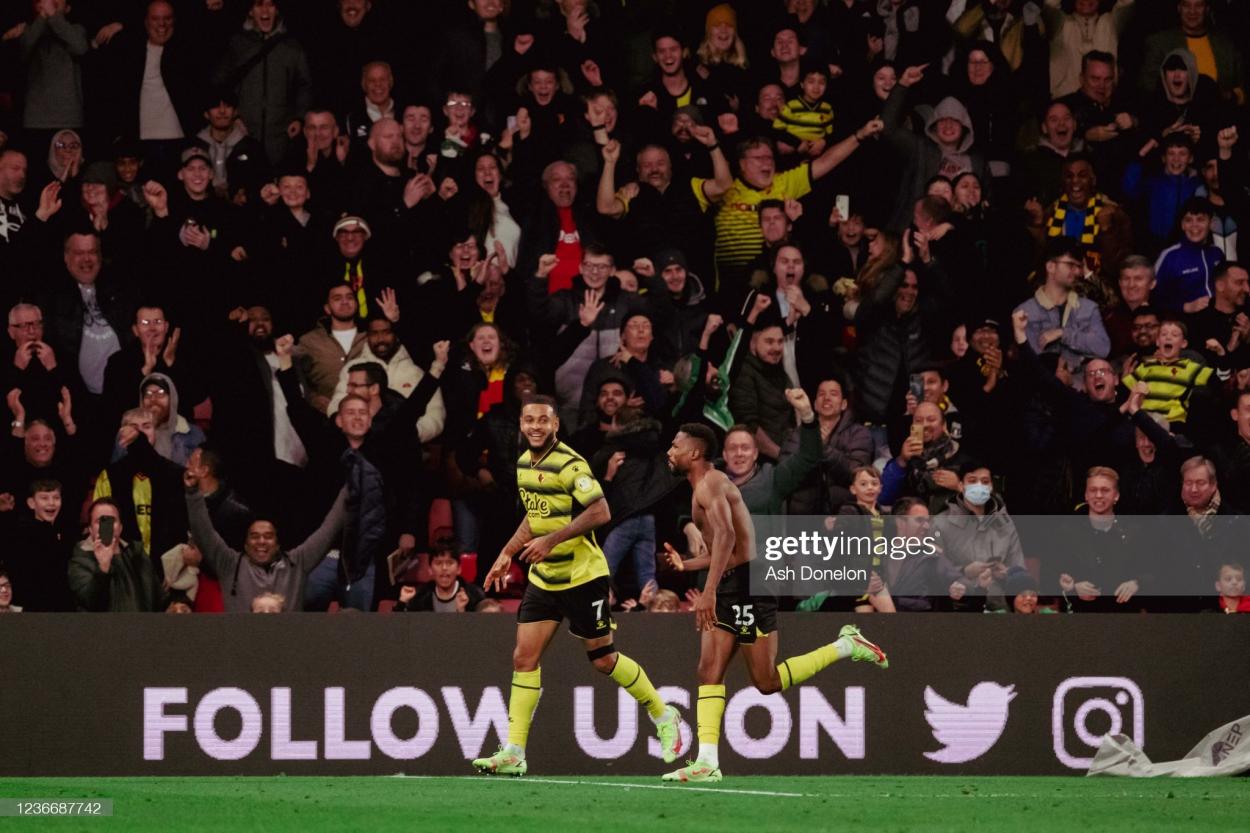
(402, 376)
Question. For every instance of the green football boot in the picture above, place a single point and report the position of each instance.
(861, 649)
(502, 763)
(692, 772)
(668, 728)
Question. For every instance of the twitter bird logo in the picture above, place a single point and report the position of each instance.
(967, 732)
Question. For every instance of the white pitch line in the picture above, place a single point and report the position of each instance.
(687, 788)
(674, 788)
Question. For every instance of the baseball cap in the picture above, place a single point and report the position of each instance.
(196, 152)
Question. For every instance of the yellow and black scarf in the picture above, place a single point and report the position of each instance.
(1059, 213)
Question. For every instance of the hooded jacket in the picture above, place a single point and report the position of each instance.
(274, 91)
(238, 161)
(922, 156)
(967, 537)
(175, 437)
(1199, 104)
(1228, 58)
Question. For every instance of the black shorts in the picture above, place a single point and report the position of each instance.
(737, 611)
(585, 606)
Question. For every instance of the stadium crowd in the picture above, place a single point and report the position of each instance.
(279, 275)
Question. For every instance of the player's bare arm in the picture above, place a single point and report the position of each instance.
(498, 575)
(592, 517)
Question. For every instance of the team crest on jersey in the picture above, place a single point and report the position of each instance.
(582, 483)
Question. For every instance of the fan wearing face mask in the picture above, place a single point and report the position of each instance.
(978, 536)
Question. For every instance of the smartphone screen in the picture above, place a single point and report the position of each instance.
(916, 385)
(106, 530)
(843, 203)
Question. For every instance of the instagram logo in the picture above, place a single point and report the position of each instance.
(1119, 698)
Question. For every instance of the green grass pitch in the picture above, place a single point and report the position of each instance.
(539, 804)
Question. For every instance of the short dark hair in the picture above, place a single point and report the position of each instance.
(541, 399)
(1072, 158)
(102, 501)
(777, 204)
(445, 545)
(1176, 322)
(1224, 269)
(904, 505)
(703, 435)
(936, 209)
(148, 303)
(375, 373)
(754, 142)
(973, 465)
(597, 250)
(1197, 205)
(1097, 56)
(1057, 247)
(1145, 310)
(45, 484)
(625, 321)
(212, 460)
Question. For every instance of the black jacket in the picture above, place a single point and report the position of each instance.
(125, 60)
(115, 299)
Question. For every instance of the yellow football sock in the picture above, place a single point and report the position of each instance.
(630, 676)
(526, 689)
(708, 711)
(797, 669)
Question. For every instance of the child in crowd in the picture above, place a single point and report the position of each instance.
(1231, 585)
(1170, 377)
(269, 603)
(446, 593)
(808, 118)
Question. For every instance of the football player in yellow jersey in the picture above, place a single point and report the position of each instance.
(568, 578)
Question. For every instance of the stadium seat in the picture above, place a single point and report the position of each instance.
(440, 519)
(468, 566)
(386, 606)
(510, 605)
(203, 415)
(208, 598)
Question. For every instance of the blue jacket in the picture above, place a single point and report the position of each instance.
(1161, 195)
(1183, 274)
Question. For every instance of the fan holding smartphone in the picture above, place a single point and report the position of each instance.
(107, 573)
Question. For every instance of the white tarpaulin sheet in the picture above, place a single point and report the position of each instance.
(1223, 752)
